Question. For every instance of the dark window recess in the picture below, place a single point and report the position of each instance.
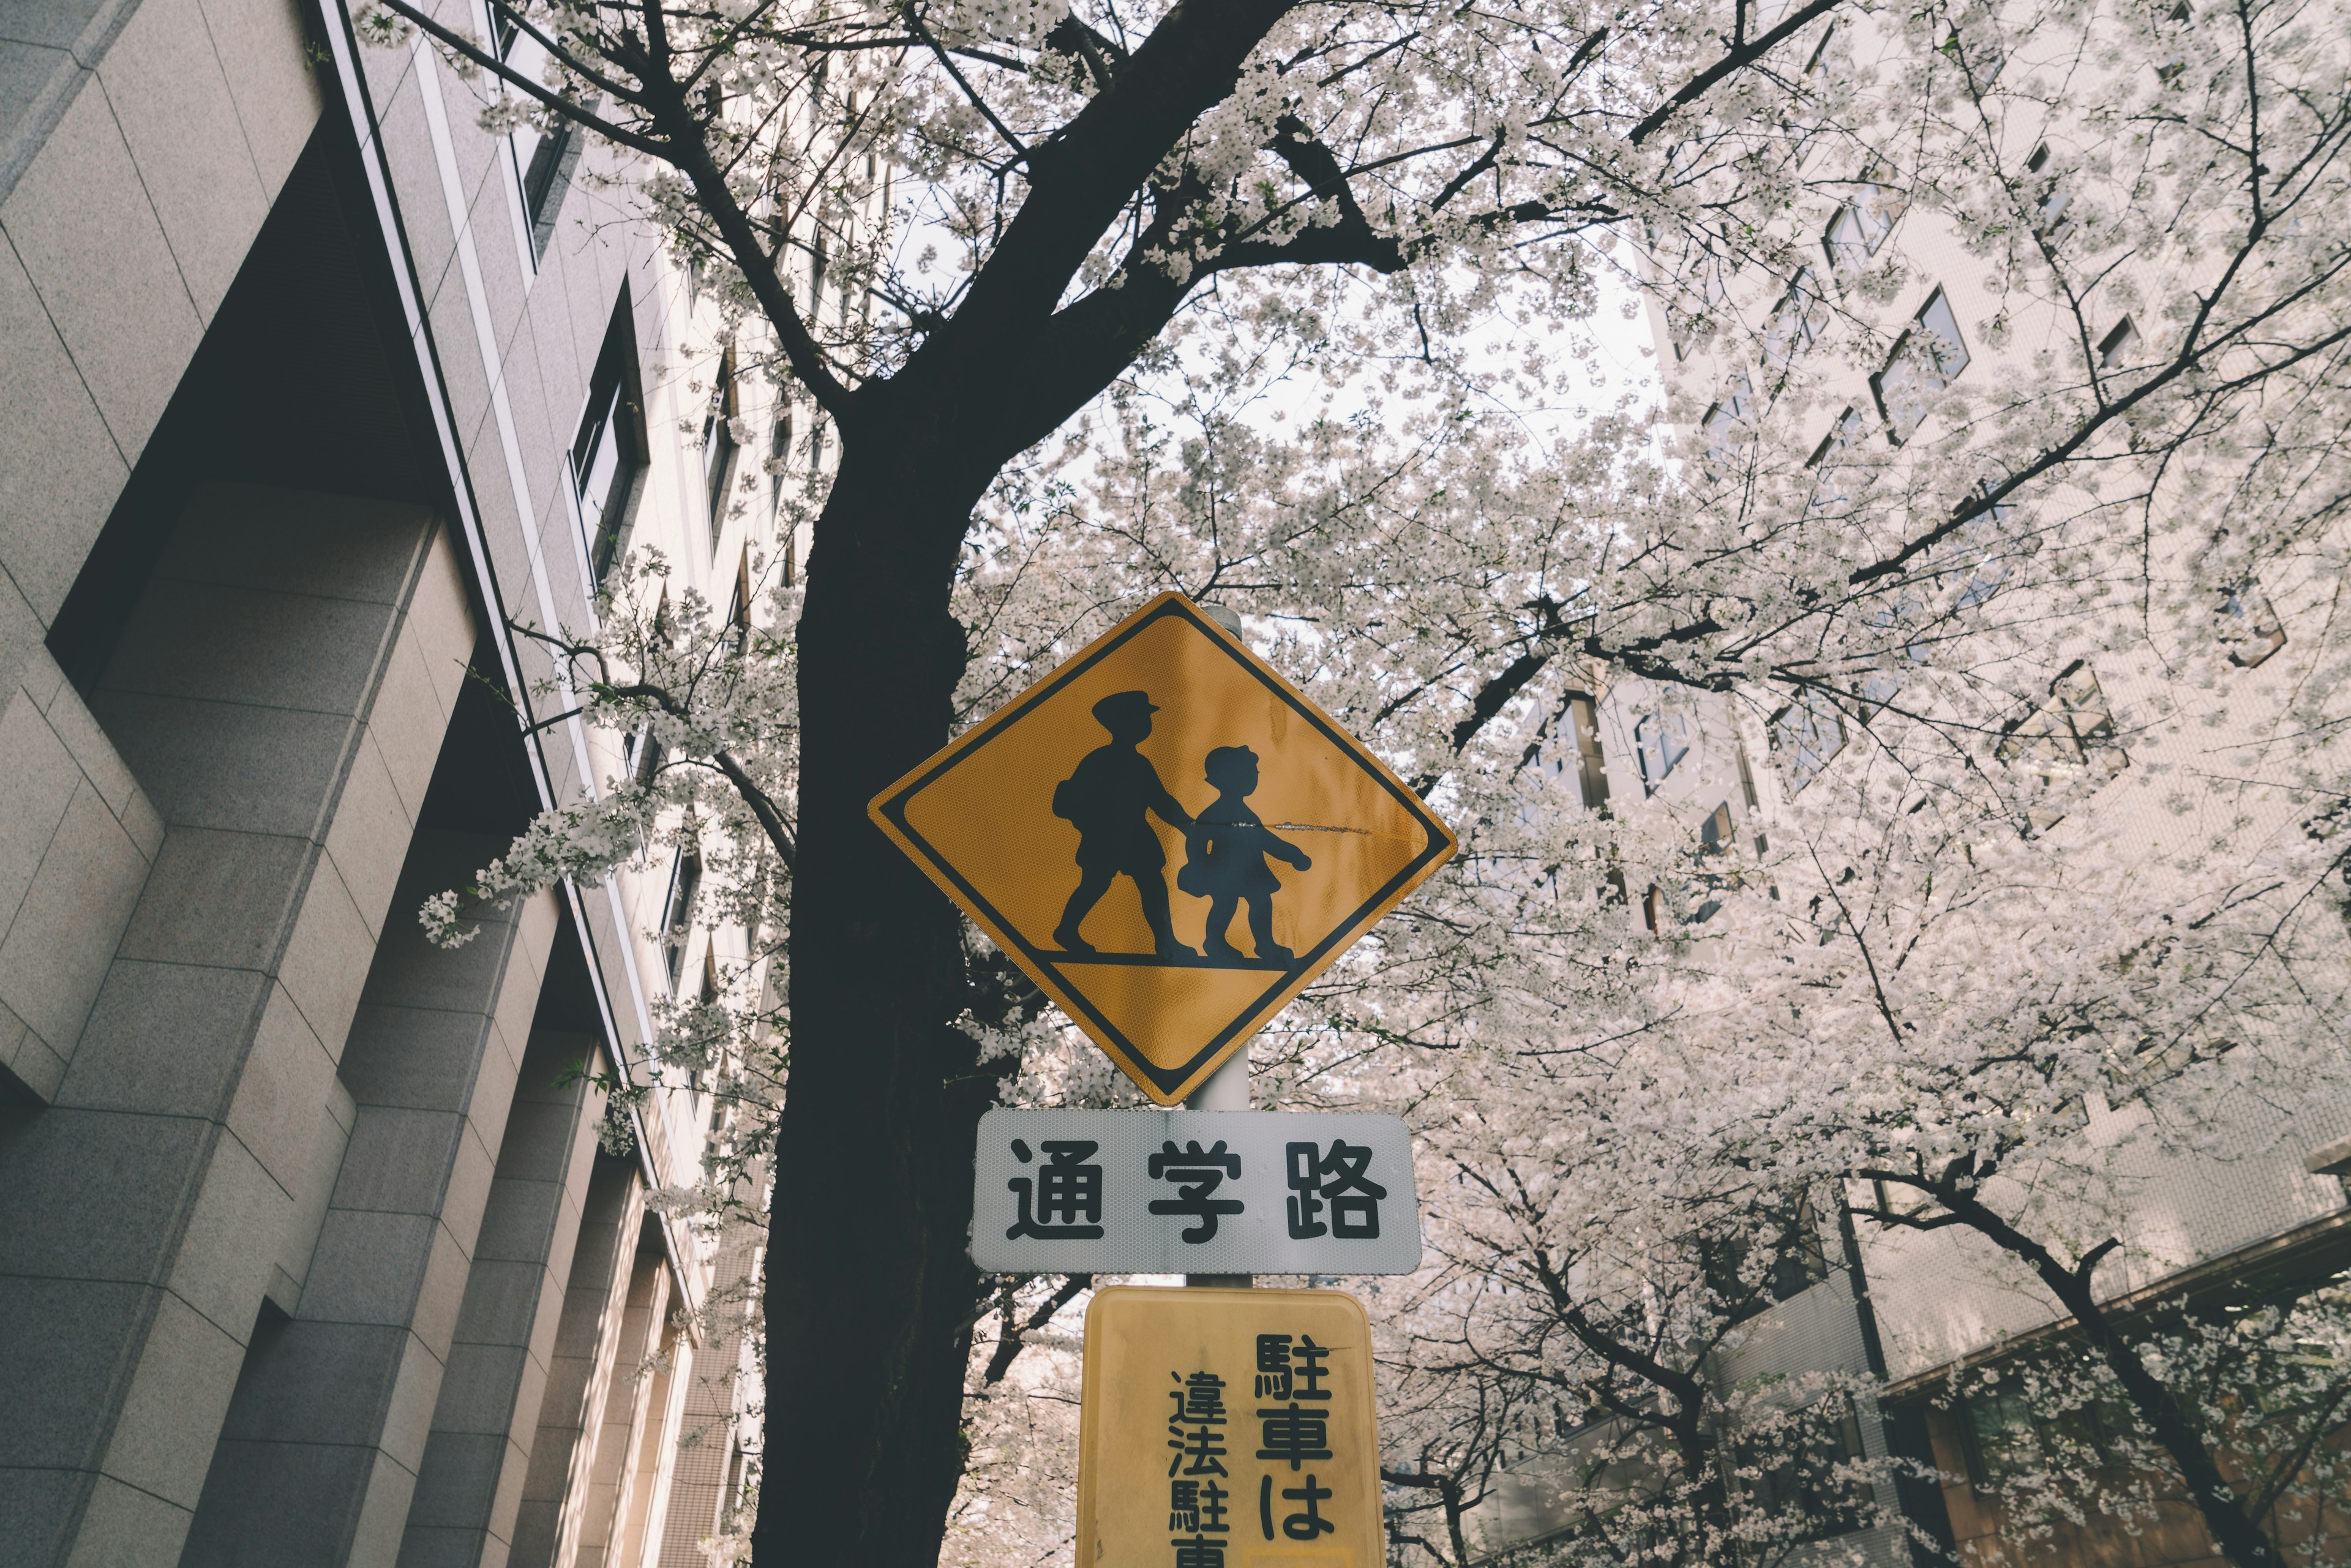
(677, 913)
(1927, 358)
(1797, 322)
(1590, 767)
(643, 756)
(305, 380)
(1859, 227)
(1817, 69)
(1974, 553)
(2166, 70)
(1892, 623)
(2116, 348)
(2004, 1435)
(2070, 742)
(1745, 1284)
(1715, 832)
(2048, 196)
(1660, 740)
(608, 454)
(1975, 44)
(780, 457)
(719, 446)
(543, 155)
(2249, 627)
(1807, 735)
(1830, 496)
(1727, 424)
(1795, 1472)
(738, 609)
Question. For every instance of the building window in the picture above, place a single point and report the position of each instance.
(1927, 358)
(2004, 1435)
(1726, 424)
(2069, 743)
(608, 453)
(2249, 627)
(1973, 553)
(1715, 296)
(1892, 623)
(1806, 736)
(1859, 227)
(677, 913)
(739, 610)
(719, 446)
(1590, 767)
(1742, 1286)
(543, 157)
(643, 756)
(2050, 198)
(2167, 70)
(1795, 1472)
(1830, 496)
(780, 457)
(1976, 44)
(1817, 69)
(1797, 322)
(1661, 741)
(2116, 348)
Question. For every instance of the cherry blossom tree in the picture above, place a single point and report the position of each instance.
(1269, 302)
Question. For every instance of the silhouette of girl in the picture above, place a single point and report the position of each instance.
(1224, 853)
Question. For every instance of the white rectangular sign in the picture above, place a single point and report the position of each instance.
(1198, 1192)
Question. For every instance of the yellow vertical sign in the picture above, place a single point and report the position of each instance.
(1227, 1429)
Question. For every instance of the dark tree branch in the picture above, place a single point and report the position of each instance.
(1007, 1348)
(1736, 58)
(466, 49)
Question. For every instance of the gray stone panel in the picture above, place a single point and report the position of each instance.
(60, 467)
(170, 1188)
(164, 81)
(485, 1421)
(276, 94)
(81, 223)
(359, 1371)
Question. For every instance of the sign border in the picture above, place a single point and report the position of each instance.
(1165, 1086)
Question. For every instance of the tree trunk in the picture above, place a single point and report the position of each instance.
(869, 1289)
(2239, 1536)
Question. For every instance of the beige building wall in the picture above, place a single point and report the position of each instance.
(312, 1257)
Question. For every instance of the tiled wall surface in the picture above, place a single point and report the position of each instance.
(306, 1263)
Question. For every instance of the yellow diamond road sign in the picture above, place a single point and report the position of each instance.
(1168, 838)
(1227, 1429)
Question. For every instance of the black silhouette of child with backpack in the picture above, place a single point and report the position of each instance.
(1225, 858)
(1109, 799)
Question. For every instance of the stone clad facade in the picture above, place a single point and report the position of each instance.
(313, 1254)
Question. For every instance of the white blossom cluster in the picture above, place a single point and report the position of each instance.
(1649, 1073)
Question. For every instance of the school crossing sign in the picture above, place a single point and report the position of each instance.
(1168, 838)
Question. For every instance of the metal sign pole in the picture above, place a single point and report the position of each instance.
(1228, 1089)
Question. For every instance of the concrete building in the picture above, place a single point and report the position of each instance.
(310, 386)
(2272, 1201)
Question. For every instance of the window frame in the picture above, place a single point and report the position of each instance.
(2098, 756)
(615, 387)
(720, 450)
(1672, 729)
(1922, 356)
(1811, 706)
(542, 178)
